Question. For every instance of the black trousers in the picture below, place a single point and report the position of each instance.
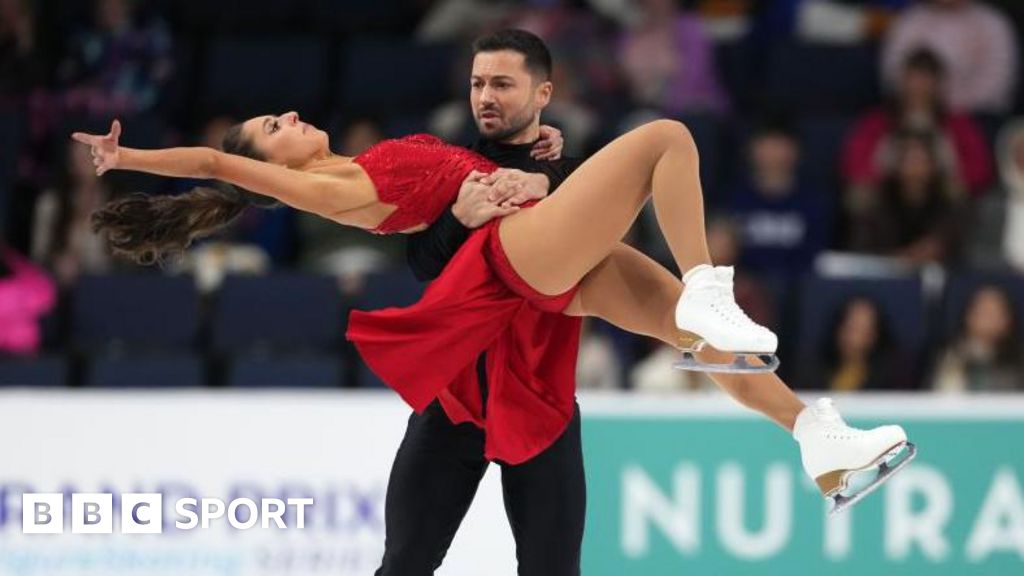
(435, 476)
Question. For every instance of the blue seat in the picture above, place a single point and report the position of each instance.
(146, 371)
(46, 371)
(291, 372)
(360, 16)
(252, 77)
(228, 15)
(369, 79)
(283, 312)
(961, 288)
(11, 138)
(136, 311)
(397, 287)
(813, 77)
(900, 300)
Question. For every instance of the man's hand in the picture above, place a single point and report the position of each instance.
(512, 187)
(549, 147)
(473, 208)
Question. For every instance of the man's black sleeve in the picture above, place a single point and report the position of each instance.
(557, 170)
(429, 251)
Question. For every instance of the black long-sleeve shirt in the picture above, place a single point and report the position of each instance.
(429, 251)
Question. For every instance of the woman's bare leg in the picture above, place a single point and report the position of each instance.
(637, 294)
(554, 244)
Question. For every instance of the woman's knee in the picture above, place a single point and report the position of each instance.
(671, 134)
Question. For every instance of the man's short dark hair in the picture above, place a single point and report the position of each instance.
(535, 53)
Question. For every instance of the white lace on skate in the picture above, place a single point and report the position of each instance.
(724, 300)
(707, 315)
(835, 428)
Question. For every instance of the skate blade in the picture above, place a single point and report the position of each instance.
(886, 470)
(740, 364)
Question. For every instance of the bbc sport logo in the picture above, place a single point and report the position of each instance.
(142, 513)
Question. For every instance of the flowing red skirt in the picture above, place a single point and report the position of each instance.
(430, 349)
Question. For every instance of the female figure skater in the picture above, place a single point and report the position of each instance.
(562, 254)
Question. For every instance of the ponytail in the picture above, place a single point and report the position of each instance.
(148, 228)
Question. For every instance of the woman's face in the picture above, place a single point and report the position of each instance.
(919, 87)
(285, 139)
(989, 316)
(916, 164)
(858, 331)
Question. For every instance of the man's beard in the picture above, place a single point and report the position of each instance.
(516, 125)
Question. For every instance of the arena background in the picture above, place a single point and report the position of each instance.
(880, 236)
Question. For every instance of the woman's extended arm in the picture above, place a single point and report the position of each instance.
(324, 194)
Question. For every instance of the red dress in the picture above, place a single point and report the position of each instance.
(429, 350)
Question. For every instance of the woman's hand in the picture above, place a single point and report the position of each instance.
(472, 207)
(106, 152)
(511, 187)
(549, 147)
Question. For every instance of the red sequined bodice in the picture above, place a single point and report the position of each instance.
(421, 174)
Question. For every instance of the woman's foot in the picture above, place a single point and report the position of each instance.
(832, 452)
(707, 315)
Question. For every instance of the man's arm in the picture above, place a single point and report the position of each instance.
(558, 170)
(429, 251)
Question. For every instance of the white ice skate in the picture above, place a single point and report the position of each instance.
(833, 453)
(707, 315)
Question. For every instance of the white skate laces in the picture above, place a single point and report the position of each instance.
(833, 453)
(707, 314)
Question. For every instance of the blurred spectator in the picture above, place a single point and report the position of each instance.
(598, 367)
(581, 48)
(26, 294)
(119, 67)
(655, 373)
(781, 219)
(985, 354)
(824, 21)
(62, 236)
(997, 227)
(669, 64)
(842, 22)
(914, 213)
(348, 253)
(976, 42)
(1011, 167)
(20, 65)
(461, 20)
(918, 103)
(860, 353)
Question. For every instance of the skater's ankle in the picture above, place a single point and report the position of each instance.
(695, 271)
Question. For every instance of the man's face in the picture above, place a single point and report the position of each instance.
(505, 98)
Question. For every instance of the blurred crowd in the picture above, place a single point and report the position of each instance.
(847, 147)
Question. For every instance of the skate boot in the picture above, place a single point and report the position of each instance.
(707, 315)
(833, 453)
